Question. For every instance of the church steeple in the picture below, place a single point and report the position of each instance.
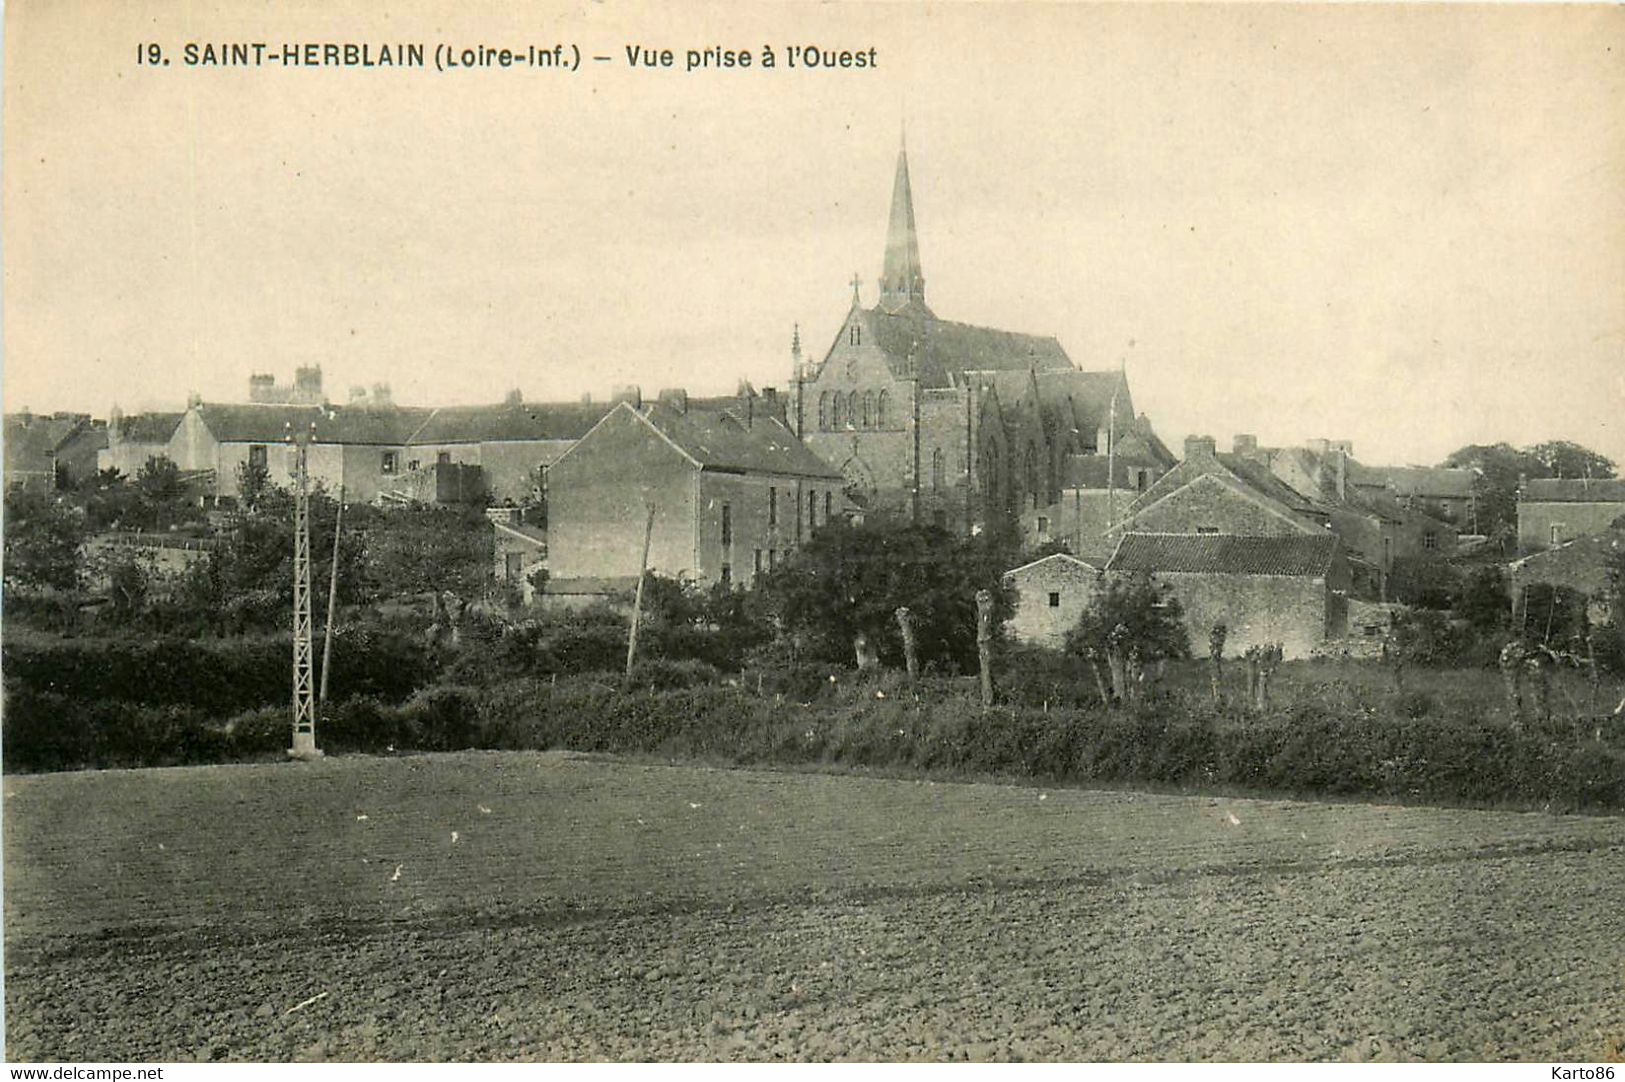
(901, 279)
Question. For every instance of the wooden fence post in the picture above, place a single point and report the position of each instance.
(984, 644)
(905, 622)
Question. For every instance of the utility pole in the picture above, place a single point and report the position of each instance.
(304, 705)
(637, 597)
(332, 600)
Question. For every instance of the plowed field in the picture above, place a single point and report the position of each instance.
(544, 906)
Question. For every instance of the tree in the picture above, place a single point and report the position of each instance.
(1151, 620)
(849, 581)
(162, 492)
(42, 538)
(253, 482)
(1425, 580)
(1482, 599)
(1565, 459)
(1495, 490)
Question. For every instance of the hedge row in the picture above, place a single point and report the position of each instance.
(1303, 749)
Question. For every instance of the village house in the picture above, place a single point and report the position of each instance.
(1441, 492)
(730, 488)
(512, 443)
(1582, 564)
(1096, 491)
(1290, 589)
(519, 550)
(1051, 594)
(1209, 492)
(133, 439)
(54, 449)
(942, 422)
(1554, 510)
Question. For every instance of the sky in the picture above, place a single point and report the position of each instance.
(1399, 225)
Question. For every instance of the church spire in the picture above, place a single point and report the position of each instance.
(901, 280)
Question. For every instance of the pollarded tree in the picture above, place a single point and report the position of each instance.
(1132, 617)
(849, 581)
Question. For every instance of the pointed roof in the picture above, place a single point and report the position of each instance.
(901, 279)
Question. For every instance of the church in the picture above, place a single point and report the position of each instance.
(964, 427)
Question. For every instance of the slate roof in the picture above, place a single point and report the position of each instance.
(1259, 477)
(718, 439)
(1424, 481)
(273, 422)
(31, 444)
(149, 427)
(511, 422)
(1576, 490)
(1254, 476)
(1223, 554)
(944, 350)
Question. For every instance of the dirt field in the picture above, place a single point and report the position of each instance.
(540, 906)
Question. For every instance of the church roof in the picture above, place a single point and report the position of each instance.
(901, 279)
(943, 351)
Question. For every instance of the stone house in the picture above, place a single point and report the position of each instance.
(1375, 524)
(1552, 511)
(1288, 588)
(361, 450)
(732, 492)
(133, 439)
(1097, 490)
(1441, 492)
(50, 449)
(1582, 564)
(1051, 594)
(512, 443)
(1213, 493)
(944, 422)
(519, 550)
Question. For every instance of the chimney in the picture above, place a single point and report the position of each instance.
(514, 397)
(1317, 446)
(1340, 462)
(770, 403)
(1200, 448)
(261, 387)
(1244, 444)
(358, 395)
(674, 398)
(307, 384)
(381, 395)
(1343, 446)
(630, 393)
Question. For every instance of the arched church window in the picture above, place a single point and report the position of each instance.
(868, 409)
(835, 410)
(852, 409)
(882, 407)
(939, 470)
(1032, 474)
(823, 410)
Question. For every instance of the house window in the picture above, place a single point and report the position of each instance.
(772, 558)
(513, 565)
(812, 510)
(257, 457)
(772, 506)
(727, 524)
(1207, 529)
(827, 504)
(443, 458)
(1557, 533)
(1140, 480)
(391, 462)
(1430, 540)
(1043, 527)
(1054, 599)
(414, 464)
(756, 564)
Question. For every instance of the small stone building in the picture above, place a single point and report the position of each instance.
(1051, 594)
(1287, 589)
(1581, 565)
(1552, 511)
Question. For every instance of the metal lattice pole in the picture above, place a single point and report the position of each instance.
(304, 700)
